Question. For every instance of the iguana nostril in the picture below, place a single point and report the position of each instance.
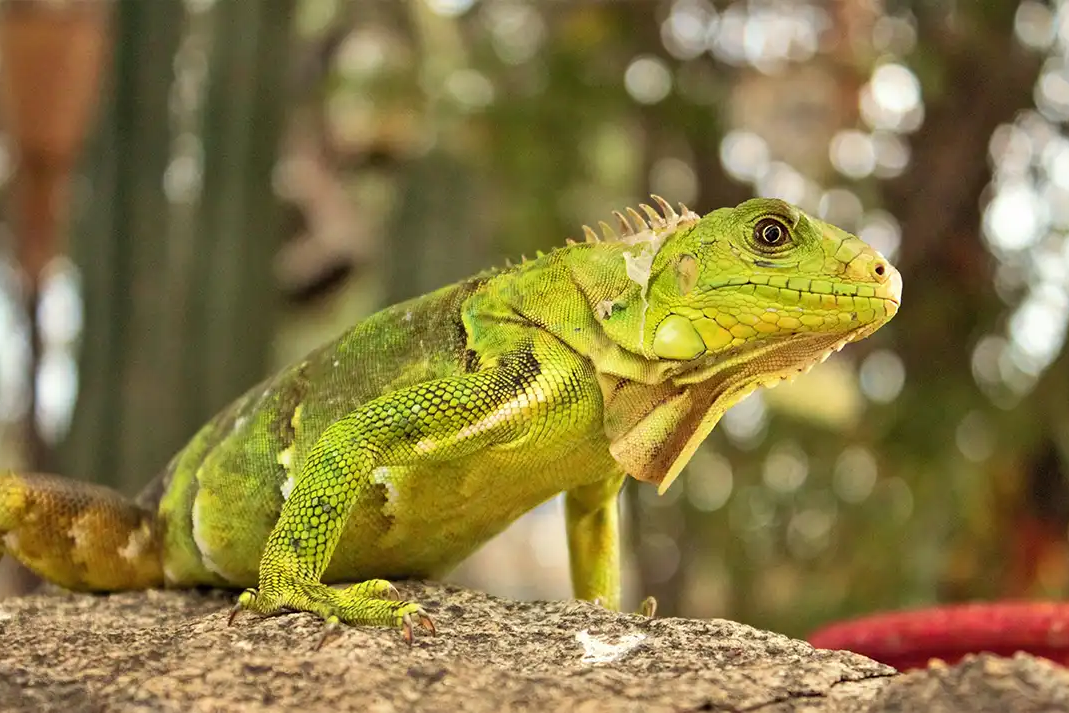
(880, 269)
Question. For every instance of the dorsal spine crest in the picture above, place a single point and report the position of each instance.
(634, 227)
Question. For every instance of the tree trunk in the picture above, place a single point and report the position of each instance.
(178, 294)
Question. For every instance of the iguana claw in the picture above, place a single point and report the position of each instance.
(243, 602)
(647, 608)
(406, 628)
(425, 623)
(332, 626)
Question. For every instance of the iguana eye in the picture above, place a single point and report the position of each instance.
(771, 233)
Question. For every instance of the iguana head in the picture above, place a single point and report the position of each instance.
(718, 306)
(765, 272)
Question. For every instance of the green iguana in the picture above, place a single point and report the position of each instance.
(402, 446)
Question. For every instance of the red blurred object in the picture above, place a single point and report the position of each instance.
(909, 639)
(52, 57)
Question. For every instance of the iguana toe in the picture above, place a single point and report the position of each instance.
(424, 620)
(234, 611)
(250, 600)
(421, 617)
(372, 589)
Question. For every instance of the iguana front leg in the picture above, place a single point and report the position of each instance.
(592, 522)
(512, 404)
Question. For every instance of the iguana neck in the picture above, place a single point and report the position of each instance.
(585, 296)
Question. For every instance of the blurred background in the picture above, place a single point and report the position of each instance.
(196, 193)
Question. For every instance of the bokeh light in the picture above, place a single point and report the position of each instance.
(882, 376)
(892, 99)
(853, 153)
(975, 437)
(855, 474)
(517, 30)
(648, 79)
(689, 27)
(785, 468)
(14, 347)
(469, 88)
(745, 422)
(450, 8)
(1034, 24)
(1026, 219)
(881, 230)
(744, 155)
(711, 482)
(671, 176)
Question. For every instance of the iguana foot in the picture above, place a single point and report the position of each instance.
(375, 602)
(648, 607)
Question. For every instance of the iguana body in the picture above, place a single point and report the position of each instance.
(415, 437)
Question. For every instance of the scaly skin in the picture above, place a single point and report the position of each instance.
(401, 447)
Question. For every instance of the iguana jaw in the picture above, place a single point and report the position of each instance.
(810, 347)
(732, 317)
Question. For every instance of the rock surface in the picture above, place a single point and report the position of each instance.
(172, 651)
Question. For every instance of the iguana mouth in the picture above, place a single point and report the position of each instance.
(889, 291)
(776, 358)
(887, 286)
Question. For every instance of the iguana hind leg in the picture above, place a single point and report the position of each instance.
(79, 535)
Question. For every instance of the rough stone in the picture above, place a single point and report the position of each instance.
(172, 651)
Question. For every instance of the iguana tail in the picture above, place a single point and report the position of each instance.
(79, 535)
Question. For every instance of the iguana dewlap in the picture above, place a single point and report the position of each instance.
(402, 446)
